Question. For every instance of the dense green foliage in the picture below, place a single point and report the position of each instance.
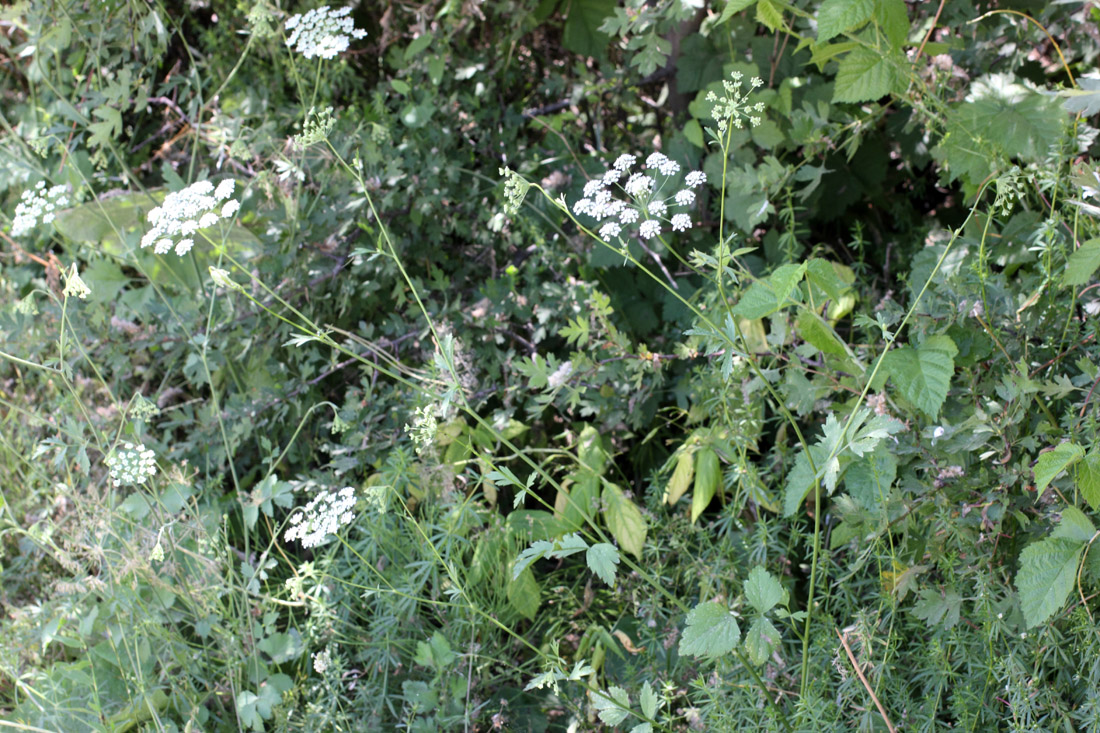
(357, 381)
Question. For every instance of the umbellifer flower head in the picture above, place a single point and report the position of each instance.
(185, 212)
(321, 517)
(322, 32)
(134, 464)
(37, 204)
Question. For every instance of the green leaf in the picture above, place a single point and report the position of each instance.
(612, 706)
(1085, 100)
(624, 519)
(892, 17)
(1088, 479)
(819, 334)
(836, 16)
(934, 607)
(602, 559)
(865, 75)
(591, 451)
(649, 700)
(800, 479)
(418, 45)
(103, 133)
(733, 6)
(766, 296)
(681, 477)
(763, 591)
(1048, 570)
(761, 640)
(1053, 462)
(711, 631)
(834, 279)
(524, 594)
(869, 480)
(1074, 526)
(1082, 263)
(923, 374)
(581, 33)
(708, 477)
(768, 15)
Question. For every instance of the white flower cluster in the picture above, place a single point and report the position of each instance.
(322, 660)
(75, 287)
(322, 32)
(185, 212)
(131, 465)
(733, 105)
(322, 516)
(644, 207)
(38, 203)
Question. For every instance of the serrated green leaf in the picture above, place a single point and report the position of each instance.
(923, 374)
(1053, 462)
(612, 706)
(825, 52)
(819, 334)
(708, 477)
(836, 16)
(624, 519)
(681, 476)
(603, 560)
(1048, 570)
(1082, 263)
(768, 15)
(711, 631)
(762, 591)
(865, 75)
(1084, 100)
(581, 33)
(642, 728)
(733, 6)
(868, 480)
(761, 640)
(766, 296)
(1088, 479)
(892, 17)
(649, 700)
(1074, 525)
(800, 479)
(935, 607)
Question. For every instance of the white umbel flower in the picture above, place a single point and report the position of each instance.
(321, 517)
(38, 204)
(681, 223)
(185, 212)
(134, 464)
(322, 32)
(649, 229)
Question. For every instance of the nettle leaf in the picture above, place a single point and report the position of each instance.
(612, 706)
(923, 374)
(1082, 263)
(1053, 462)
(624, 519)
(763, 592)
(711, 631)
(1048, 570)
(1074, 525)
(865, 75)
(1088, 479)
(603, 560)
(800, 479)
(836, 16)
(761, 640)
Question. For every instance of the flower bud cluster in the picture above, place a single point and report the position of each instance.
(733, 105)
(185, 212)
(37, 204)
(132, 465)
(321, 517)
(322, 32)
(644, 209)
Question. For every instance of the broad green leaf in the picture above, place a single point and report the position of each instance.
(892, 17)
(649, 700)
(1088, 479)
(591, 451)
(800, 479)
(105, 279)
(819, 334)
(762, 591)
(582, 22)
(708, 477)
(642, 728)
(761, 640)
(1082, 263)
(1048, 570)
(836, 16)
(923, 374)
(935, 607)
(603, 560)
(524, 594)
(768, 15)
(869, 479)
(418, 45)
(825, 52)
(612, 706)
(766, 296)
(681, 476)
(1053, 462)
(577, 505)
(865, 75)
(1074, 525)
(1085, 100)
(711, 631)
(835, 280)
(624, 519)
(733, 6)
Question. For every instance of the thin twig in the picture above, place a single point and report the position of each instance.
(859, 673)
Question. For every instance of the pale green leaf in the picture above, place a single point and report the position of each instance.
(892, 17)
(1048, 571)
(1082, 263)
(923, 374)
(865, 75)
(768, 295)
(819, 334)
(711, 631)
(768, 15)
(524, 594)
(1053, 462)
(708, 477)
(1088, 479)
(1085, 99)
(764, 592)
(650, 701)
(761, 640)
(681, 476)
(603, 559)
(624, 519)
(836, 16)
(733, 6)
(1074, 525)
(612, 706)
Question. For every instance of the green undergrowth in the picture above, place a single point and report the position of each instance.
(549, 366)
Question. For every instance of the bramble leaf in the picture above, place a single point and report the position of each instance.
(762, 591)
(923, 374)
(1053, 462)
(1082, 263)
(1048, 569)
(865, 75)
(711, 631)
(836, 16)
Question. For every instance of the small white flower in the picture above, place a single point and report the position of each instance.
(625, 162)
(75, 286)
(208, 220)
(189, 227)
(695, 178)
(593, 187)
(638, 184)
(184, 212)
(655, 160)
(37, 204)
(321, 661)
(584, 206)
(560, 375)
(322, 32)
(231, 208)
(669, 167)
(628, 215)
(163, 246)
(685, 197)
(134, 464)
(184, 246)
(321, 517)
(224, 189)
(610, 230)
(612, 176)
(650, 228)
(681, 222)
(657, 208)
